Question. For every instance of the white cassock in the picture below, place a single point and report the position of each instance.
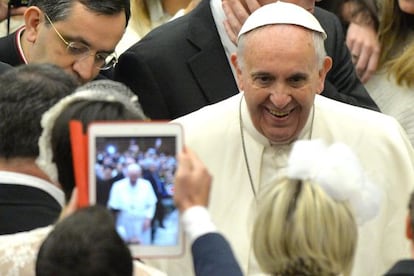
(135, 204)
(214, 133)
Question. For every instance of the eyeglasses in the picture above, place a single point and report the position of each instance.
(79, 50)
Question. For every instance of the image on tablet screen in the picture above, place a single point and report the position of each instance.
(134, 179)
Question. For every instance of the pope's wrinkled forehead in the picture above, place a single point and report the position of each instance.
(281, 13)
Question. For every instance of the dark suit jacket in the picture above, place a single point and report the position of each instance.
(181, 66)
(212, 255)
(401, 268)
(24, 208)
(9, 52)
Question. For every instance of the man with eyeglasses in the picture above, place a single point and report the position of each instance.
(77, 35)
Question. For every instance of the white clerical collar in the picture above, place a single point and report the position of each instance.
(14, 178)
(219, 18)
(19, 43)
(260, 138)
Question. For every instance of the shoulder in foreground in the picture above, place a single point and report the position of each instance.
(353, 112)
(361, 126)
(214, 113)
(18, 251)
(26, 238)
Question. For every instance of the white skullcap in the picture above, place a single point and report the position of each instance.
(281, 13)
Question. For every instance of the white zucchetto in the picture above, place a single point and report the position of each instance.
(281, 13)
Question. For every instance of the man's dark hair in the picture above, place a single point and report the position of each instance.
(26, 92)
(85, 244)
(58, 10)
(4, 67)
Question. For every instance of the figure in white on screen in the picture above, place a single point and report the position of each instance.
(133, 200)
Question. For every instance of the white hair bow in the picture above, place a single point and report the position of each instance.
(338, 171)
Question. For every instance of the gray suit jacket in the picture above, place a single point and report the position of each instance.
(401, 268)
(181, 66)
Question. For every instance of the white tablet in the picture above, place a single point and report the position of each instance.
(131, 171)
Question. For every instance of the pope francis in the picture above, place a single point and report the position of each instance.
(245, 140)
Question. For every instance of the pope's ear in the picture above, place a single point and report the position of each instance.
(408, 228)
(33, 18)
(327, 65)
(235, 61)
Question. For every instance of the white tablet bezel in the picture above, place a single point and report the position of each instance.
(135, 129)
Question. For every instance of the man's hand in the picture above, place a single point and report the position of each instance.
(192, 181)
(13, 11)
(71, 206)
(236, 14)
(365, 48)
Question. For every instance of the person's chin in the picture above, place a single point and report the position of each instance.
(280, 135)
(282, 140)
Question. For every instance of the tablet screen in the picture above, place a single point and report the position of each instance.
(133, 173)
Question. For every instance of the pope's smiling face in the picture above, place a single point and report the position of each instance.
(280, 75)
